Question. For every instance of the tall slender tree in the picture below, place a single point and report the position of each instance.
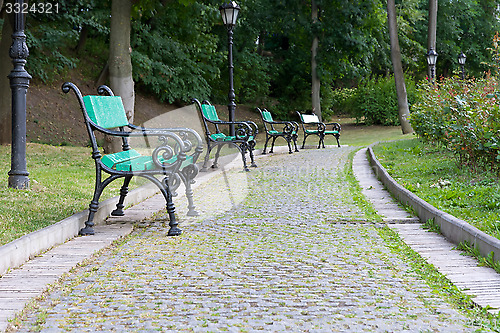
(120, 63)
(5, 92)
(403, 109)
(315, 80)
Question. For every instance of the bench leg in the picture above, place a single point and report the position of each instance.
(272, 144)
(304, 142)
(123, 193)
(88, 230)
(321, 141)
(207, 156)
(288, 141)
(189, 196)
(216, 160)
(338, 143)
(94, 204)
(165, 190)
(187, 174)
(294, 138)
(243, 150)
(251, 148)
(265, 144)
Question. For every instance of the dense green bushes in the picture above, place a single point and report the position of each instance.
(374, 101)
(463, 116)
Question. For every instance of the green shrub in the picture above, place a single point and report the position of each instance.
(343, 101)
(374, 101)
(462, 116)
(45, 61)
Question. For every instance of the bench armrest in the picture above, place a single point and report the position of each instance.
(289, 128)
(244, 130)
(162, 134)
(336, 126)
(253, 126)
(321, 126)
(190, 137)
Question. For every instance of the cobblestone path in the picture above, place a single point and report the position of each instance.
(270, 252)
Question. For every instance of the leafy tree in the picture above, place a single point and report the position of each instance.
(174, 51)
(52, 37)
(403, 109)
(462, 25)
(315, 80)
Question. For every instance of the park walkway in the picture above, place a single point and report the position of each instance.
(281, 248)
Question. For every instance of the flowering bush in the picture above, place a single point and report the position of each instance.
(464, 116)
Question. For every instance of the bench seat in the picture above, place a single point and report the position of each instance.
(134, 161)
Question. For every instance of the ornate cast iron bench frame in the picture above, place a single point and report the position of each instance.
(289, 131)
(243, 139)
(173, 161)
(311, 125)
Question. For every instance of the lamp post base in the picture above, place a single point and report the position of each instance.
(20, 182)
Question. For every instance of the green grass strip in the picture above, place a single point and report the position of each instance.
(433, 174)
(355, 190)
(439, 283)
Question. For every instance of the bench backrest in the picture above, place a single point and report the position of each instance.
(209, 112)
(266, 115)
(106, 111)
(309, 118)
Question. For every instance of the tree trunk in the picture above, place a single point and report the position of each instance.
(5, 92)
(316, 83)
(82, 40)
(120, 64)
(432, 26)
(403, 110)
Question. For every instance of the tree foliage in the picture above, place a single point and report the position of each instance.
(179, 48)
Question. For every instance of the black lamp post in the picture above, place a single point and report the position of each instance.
(461, 61)
(431, 61)
(229, 12)
(19, 83)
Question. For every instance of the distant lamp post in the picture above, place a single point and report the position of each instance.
(431, 61)
(19, 83)
(229, 12)
(461, 61)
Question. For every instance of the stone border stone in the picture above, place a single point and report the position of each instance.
(454, 229)
(17, 252)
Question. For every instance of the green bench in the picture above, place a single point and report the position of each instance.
(311, 125)
(284, 129)
(171, 162)
(243, 138)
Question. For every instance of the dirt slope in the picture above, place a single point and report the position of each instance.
(54, 117)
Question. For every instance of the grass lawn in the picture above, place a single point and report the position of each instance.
(351, 135)
(61, 184)
(366, 135)
(434, 175)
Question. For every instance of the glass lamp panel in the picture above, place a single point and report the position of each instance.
(461, 59)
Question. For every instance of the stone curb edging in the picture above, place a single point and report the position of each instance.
(454, 229)
(17, 252)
